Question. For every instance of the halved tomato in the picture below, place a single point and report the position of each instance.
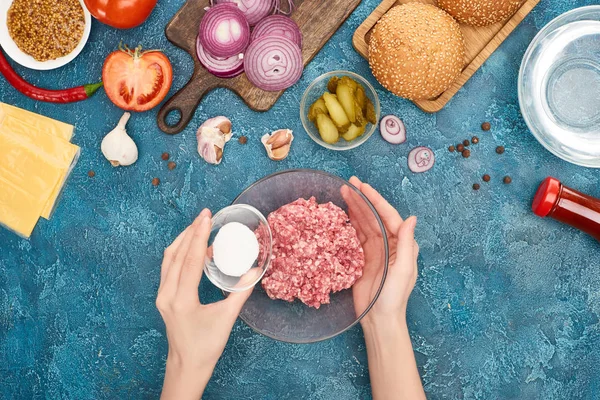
(137, 80)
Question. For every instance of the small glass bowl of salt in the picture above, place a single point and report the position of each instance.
(239, 248)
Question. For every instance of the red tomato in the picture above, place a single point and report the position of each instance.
(122, 14)
(136, 80)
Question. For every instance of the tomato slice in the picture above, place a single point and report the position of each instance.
(136, 80)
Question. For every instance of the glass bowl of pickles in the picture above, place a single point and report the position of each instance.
(340, 110)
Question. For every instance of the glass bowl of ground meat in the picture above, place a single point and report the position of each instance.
(319, 225)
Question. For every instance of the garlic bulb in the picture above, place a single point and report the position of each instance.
(118, 147)
(212, 136)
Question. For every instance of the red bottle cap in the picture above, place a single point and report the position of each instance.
(546, 196)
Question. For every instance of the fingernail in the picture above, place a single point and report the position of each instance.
(205, 220)
(201, 217)
(413, 223)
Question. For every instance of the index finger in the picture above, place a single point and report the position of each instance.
(193, 265)
(362, 208)
(356, 214)
(169, 256)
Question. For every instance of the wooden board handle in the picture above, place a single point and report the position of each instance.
(185, 101)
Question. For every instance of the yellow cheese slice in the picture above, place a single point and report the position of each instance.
(26, 167)
(56, 151)
(19, 210)
(38, 122)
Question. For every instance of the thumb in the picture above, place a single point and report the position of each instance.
(235, 301)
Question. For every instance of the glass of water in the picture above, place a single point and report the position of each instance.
(559, 86)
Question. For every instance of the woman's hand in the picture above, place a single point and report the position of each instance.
(392, 365)
(197, 333)
(402, 272)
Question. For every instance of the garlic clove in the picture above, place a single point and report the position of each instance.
(118, 147)
(212, 136)
(278, 144)
(225, 127)
(221, 123)
(280, 153)
(211, 142)
(219, 153)
(280, 138)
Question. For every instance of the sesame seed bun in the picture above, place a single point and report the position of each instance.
(480, 12)
(416, 51)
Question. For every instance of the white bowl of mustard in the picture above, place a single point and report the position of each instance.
(11, 48)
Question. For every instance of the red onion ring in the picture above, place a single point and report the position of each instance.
(224, 31)
(392, 129)
(254, 10)
(279, 10)
(273, 63)
(220, 67)
(421, 159)
(278, 25)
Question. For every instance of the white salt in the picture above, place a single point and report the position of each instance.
(235, 249)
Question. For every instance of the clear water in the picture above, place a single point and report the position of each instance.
(562, 91)
(572, 83)
(578, 80)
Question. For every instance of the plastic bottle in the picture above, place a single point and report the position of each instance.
(555, 200)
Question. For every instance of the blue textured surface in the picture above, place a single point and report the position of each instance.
(506, 305)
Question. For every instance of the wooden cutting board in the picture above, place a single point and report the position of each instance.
(318, 20)
(481, 42)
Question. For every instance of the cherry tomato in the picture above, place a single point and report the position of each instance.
(122, 14)
(136, 80)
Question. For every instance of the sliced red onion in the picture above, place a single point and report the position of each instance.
(279, 10)
(254, 10)
(220, 67)
(273, 63)
(392, 129)
(224, 31)
(278, 25)
(421, 159)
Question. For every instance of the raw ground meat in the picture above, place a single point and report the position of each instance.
(316, 252)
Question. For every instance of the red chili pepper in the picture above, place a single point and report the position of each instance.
(52, 96)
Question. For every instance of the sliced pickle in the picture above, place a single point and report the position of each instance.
(327, 129)
(336, 111)
(353, 132)
(318, 107)
(346, 98)
(346, 80)
(361, 97)
(370, 114)
(360, 117)
(332, 84)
